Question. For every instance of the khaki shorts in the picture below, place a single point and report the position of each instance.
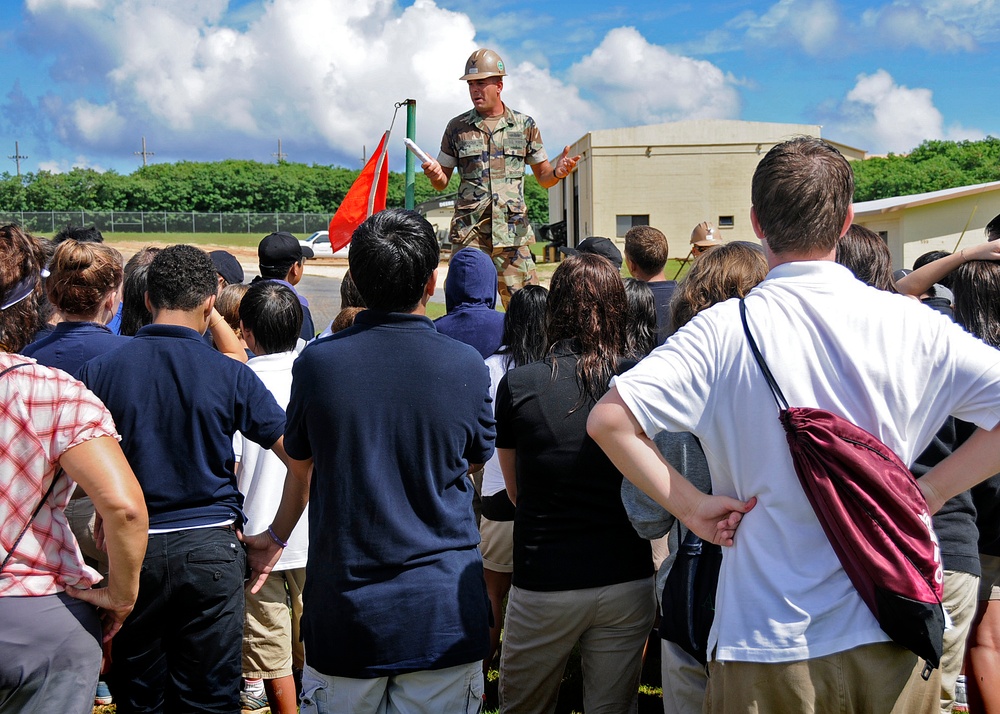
(271, 644)
(881, 677)
(989, 583)
(497, 545)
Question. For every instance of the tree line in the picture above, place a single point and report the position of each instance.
(232, 186)
(236, 186)
(932, 166)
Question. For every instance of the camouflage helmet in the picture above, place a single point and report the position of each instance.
(482, 64)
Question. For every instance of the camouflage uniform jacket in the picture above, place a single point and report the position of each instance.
(490, 210)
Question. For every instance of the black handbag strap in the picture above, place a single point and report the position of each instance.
(40, 504)
(779, 398)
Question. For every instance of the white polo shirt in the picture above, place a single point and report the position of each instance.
(261, 474)
(883, 361)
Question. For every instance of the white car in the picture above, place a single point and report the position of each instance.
(320, 244)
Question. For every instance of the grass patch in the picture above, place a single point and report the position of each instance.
(242, 240)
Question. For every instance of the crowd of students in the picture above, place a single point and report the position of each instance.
(464, 477)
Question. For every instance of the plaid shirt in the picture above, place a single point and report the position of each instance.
(43, 412)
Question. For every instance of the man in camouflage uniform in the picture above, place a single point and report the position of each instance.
(490, 146)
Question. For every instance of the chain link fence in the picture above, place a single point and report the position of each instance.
(168, 222)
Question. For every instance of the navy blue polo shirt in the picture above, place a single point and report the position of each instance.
(70, 344)
(393, 413)
(177, 403)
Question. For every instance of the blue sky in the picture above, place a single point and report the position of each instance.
(82, 81)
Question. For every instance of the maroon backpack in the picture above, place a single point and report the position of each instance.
(874, 515)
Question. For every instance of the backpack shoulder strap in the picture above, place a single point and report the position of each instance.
(779, 398)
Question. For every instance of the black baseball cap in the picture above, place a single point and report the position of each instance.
(597, 245)
(227, 266)
(280, 249)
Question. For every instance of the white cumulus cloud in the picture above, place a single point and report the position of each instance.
(815, 26)
(196, 77)
(636, 82)
(881, 116)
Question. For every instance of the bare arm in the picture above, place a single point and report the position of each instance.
(225, 339)
(508, 466)
(99, 466)
(920, 280)
(549, 175)
(612, 425)
(974, 461)
(439, 175)
(262, 550)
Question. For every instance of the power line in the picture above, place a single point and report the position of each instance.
(17, 158)
(143, 153)
(280, 156)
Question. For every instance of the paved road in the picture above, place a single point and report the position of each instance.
(321, 286)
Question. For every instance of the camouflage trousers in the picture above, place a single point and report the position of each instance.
(515, 269)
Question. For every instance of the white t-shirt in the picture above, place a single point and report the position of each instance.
(261, 474)
(493, 482)
(883, 361)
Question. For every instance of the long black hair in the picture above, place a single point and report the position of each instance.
(976, 285)
(587, 311)
(524, 326)
(640, 334)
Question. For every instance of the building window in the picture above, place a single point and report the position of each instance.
(726, 222)
(623, 223)
(884, 235)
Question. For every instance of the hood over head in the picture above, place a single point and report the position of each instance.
(472, 280)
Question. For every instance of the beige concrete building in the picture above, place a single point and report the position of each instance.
(672, 176)
(939, 220)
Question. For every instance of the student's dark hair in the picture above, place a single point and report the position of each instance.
(524, 326)
(587, 311)
(273, 313)
(802, 191)
(647, 248)
(181, 277)
(976, 285)
(930, 257)
(866, 255)
(82, 275)
(277, 272)
(392, 256)
(349, 295)
(727, 271)
(22, 258)
(993, 229)
(134, 312)
(640, 332)
(81, 234)
(144, 256)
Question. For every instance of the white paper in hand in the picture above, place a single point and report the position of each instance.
(417, 151)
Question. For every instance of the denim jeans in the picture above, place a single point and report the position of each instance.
(180, 649)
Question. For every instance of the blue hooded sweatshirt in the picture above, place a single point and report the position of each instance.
(470, 294)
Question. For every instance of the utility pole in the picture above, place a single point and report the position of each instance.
(279, 156)
(144, 154)
(364, 154)
(17, 158)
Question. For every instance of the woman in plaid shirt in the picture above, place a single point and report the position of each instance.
(55, 433)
